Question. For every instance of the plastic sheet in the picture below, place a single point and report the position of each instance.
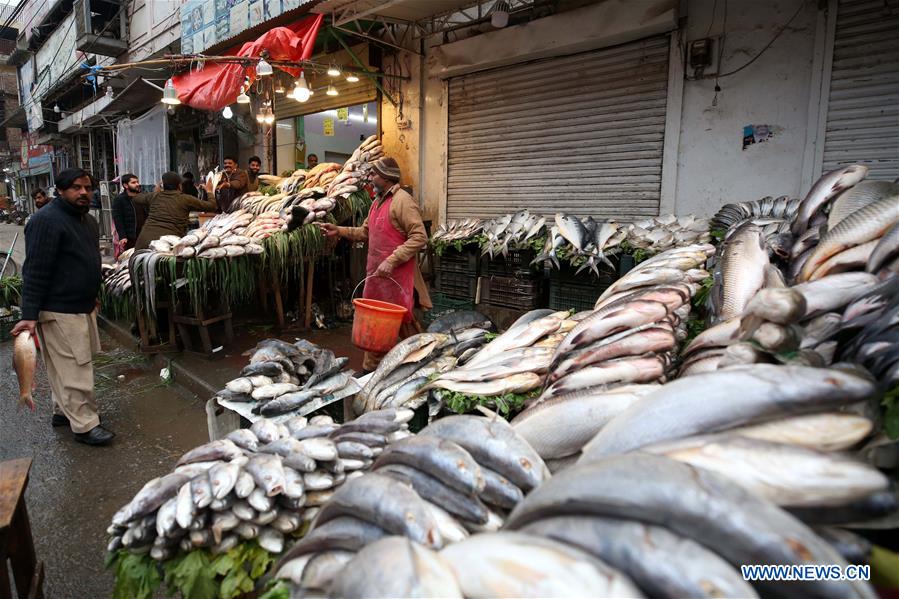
(143, 145)
(216, 85)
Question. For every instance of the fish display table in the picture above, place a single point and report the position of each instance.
(16, 543)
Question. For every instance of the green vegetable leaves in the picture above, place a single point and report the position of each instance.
(891, 413)
(191, 575)
(506, 405)
(137, 576)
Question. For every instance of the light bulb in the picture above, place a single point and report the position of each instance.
(332, 91)
(301, 91)
(279, 88)
(263, 68)
(227, 112)
(333, 71)
(500, 16)
(56, 108)
(243, 98)
(170, 94)
(269, 118)
(352, 78)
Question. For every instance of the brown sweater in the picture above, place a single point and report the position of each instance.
(168, 214)
(405, 217)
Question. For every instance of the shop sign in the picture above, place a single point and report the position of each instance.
(343, 114)
(205, 23)
(328, 126)
(34, 154)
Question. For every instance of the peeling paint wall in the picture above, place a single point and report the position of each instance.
(713, 167)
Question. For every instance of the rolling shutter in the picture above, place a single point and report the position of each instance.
(863, 109)
(580, 134)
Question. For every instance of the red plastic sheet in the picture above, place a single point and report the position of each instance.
(217, 85)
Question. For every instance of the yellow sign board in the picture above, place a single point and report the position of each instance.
(343, 114)
(328, 126)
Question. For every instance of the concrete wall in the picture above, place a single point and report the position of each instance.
(706, 165)
(713, 168)
(153, 26)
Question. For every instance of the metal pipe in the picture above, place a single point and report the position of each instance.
(9, 253)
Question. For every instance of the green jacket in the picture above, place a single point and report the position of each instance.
(168, 213)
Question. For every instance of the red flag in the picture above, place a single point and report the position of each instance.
(217, 84)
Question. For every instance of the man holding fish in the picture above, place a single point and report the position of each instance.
(395, 234)
(59, 307)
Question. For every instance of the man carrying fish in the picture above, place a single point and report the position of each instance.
(168, 210)
(395, 234)
(59, 304)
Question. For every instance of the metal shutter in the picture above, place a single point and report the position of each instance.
(863, 111)
(580, 134)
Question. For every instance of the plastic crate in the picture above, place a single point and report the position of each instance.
(577, 296)
(568, 273)
(514, 293)
(444, 305)
(516, 264)
(465, 262)
(6, 325)
(456, 285)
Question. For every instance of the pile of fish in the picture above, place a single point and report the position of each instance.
(288, 378)
(510, 231)
(116, 276)
(223, 236)
(662, 233)
(615, 353)
(582, 240)
(458, 230)
(460, 475)
(774, 216)
(265, 483)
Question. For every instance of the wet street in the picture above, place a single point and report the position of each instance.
(75, 489)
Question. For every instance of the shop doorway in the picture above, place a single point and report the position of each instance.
(332, 135)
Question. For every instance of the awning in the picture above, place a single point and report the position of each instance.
(136, 97)
(16, 120)
(346, 11)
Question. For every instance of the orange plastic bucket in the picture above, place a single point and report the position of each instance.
(376, 324)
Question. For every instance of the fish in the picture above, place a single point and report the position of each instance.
(885, 250)
(826, 188)
(345, 533)
(719, 335)
(573, 230)
(274, 390)
(819, 329)
(766, 391)
(698, 504)
(560, 426)
(153, 494)
(394, 358)
(618, 371)
(514, 564)
(266, 431)
(460, 320)
(441, 458)
(222, 449)
(285, 403)
(850, 259)
(494, 444)
(653, 339)
(269, 369)
(774, 305)
(502, 368)
(518, 335)
(776, 338)
(430, 488)
(395, 567)
(25, 363)
(646, 277)
(742, 270)
(863, 225)
(608, 320)
(826, 431)
(854, 548)
(386, 503)
(267, 472)
(661, 562)
(499, 491)
(787, 475)
(241, 385)
(516, 383)
(858, 196)
(835, 291)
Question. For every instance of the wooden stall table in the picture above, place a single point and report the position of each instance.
(16, 542)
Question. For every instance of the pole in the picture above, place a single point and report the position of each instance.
(9, 253)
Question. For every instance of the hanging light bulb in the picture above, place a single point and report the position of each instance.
(269, 118)
(352, 77)
(332, 91)
(227, 112)
(57, 109)
(500, 16)
(301, 91)
(243, 98)
(260, 118)
(279, 88)
(334, 71)
(170, 94)
(109, 91)
(263, 68)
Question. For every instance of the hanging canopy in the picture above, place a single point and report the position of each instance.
(216, 85)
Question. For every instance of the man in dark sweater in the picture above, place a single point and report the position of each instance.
(168, 210)
(128, 218)
(59, 302)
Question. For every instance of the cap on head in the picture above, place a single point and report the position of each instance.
(387, 168)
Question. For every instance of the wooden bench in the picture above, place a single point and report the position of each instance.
(16, 542)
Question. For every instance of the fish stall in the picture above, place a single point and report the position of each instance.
(730, 401)
(265, 243)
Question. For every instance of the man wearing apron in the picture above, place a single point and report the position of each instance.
(395, 234)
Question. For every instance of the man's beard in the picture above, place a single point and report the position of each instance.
(378, 189)
(83, 209)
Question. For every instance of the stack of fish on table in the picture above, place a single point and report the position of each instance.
(667, 232)
(459, 476)
(840, 269)
(510, 232)
(616, 353)
(289, 378)
(267, 482)
(582, 238)
(463, 229)
(116, 276)
(223, 236)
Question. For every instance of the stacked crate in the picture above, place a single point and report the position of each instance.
(512, 282)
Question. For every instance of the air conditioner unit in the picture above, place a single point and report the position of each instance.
(113, 40)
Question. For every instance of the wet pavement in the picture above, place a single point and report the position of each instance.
(74, 489)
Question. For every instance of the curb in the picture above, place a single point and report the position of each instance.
(185, 377)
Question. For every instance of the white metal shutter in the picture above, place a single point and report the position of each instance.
(580, 134)
(863, 111)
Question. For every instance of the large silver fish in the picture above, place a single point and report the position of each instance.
(729, 398)
(886, 250)
(742, 272)
(698, 504)
(827, 187)
(857, 197)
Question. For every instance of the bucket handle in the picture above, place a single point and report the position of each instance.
(403, 291)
